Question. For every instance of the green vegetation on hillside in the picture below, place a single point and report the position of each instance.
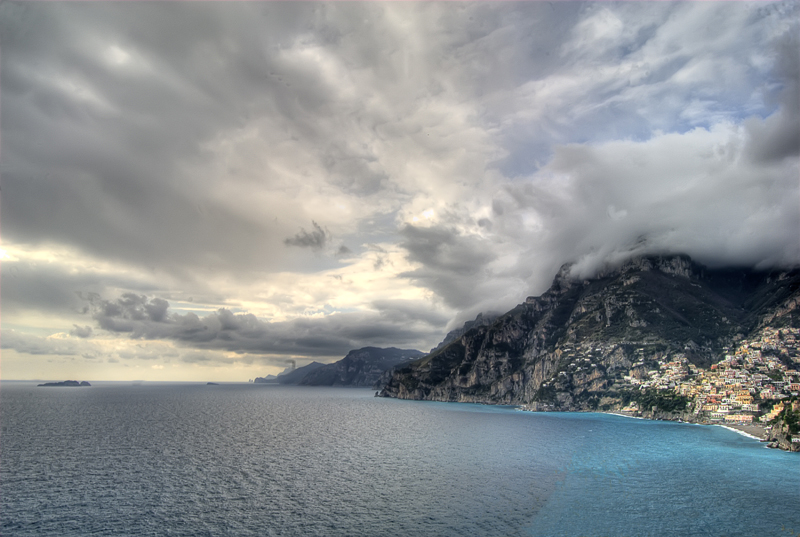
(789, 417)
(662, 400)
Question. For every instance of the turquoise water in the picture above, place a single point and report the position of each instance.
(659, 478)
(190, 459)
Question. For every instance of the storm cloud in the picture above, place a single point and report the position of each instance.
(140, 317)
(306, 178)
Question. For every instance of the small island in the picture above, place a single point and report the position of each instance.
(66, 383)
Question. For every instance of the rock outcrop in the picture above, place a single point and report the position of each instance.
(784, 433)
(70, 383)
(269, 379)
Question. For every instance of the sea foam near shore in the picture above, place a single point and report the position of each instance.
(624, 415)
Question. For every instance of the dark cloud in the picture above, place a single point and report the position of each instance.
(445, 249)
(455, 266)
(315, 240)
(149, 319)
(81, 331)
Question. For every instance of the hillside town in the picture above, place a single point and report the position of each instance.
(756, 382)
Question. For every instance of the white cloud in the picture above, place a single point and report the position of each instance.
(697, 193)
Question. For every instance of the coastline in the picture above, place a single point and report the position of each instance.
(772, 436)
(624, 415)
(756, 432)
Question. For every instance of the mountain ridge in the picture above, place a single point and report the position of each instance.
(568, 348)
(360, 367)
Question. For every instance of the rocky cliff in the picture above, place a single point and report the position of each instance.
(570, 348)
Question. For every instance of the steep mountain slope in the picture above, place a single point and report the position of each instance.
(361, 367)
(483, 319)
(295, 376)
(570, 348)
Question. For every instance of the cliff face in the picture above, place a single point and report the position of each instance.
(569, 348)
(362, 367)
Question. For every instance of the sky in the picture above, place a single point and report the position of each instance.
(204, 191)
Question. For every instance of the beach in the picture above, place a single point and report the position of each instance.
(757, 431)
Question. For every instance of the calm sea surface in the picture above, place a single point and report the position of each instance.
(245, 459)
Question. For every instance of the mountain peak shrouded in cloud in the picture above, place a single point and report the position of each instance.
(301, 179)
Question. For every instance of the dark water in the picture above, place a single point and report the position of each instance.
(156, 459)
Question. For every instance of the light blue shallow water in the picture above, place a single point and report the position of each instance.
(185, 459)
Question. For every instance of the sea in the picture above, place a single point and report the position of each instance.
(188, 459)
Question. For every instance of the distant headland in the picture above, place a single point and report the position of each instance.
(67, 383)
